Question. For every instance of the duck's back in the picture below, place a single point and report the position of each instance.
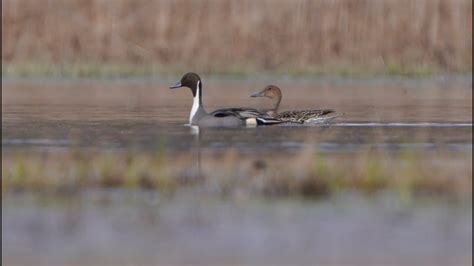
(240, 112)
(234, 117)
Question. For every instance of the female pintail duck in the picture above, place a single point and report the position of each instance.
(228, 117)
(303, 116)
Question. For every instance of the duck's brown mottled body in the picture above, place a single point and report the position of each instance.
(302, 116)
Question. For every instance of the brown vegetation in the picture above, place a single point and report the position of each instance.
(262, 35)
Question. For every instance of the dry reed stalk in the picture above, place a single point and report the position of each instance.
(264, 35)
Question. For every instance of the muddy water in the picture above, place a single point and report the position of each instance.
(124, 227)
(386, 112)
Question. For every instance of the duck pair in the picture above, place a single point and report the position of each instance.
(235, 117)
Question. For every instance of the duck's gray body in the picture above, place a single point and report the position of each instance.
(232, 117)
(230, 121)
(198, 116)
(203, 119)
(229, 117)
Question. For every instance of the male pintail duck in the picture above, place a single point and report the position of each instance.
(228, 117)
(303, 116)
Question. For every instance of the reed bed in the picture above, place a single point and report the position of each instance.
(310, 174)
(309, 36)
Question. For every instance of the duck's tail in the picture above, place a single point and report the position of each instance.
(265, 121)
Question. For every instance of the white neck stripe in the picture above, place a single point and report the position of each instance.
(196, 102)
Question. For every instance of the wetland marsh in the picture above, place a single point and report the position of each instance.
(100, 168)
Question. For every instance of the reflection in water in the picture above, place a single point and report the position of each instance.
(194, 130)
(197, 140)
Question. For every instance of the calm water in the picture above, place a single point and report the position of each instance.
(387, 113)
(145, 228)
(126, 228)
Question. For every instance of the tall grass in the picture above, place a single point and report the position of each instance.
(273, 35)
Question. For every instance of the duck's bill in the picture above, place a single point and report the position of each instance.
(257, 94)
(177, 85)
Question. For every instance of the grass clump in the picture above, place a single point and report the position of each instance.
(313, 175)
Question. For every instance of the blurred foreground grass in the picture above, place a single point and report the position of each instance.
(307, 174)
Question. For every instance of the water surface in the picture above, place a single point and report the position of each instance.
(387, 113)
(123, 227)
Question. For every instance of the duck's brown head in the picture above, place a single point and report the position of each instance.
(270, 91)
(192, 81)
